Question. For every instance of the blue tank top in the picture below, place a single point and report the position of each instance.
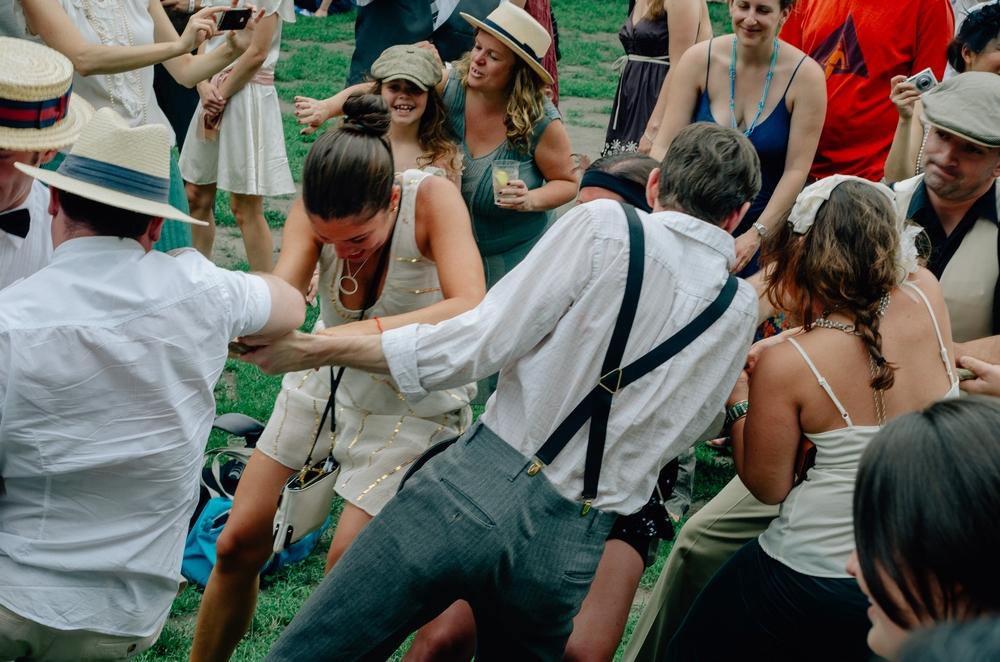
(769, 138)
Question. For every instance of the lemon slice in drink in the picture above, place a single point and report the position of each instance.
(501, 177)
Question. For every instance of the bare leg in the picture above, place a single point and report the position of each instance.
(242, 550)
(249, 213)
(451, 637)
(598, 628)
(352, 520)
(201, 200)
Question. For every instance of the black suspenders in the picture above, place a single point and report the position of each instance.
(596, 405)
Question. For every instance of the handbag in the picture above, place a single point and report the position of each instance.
(307, 496)
(305, 501)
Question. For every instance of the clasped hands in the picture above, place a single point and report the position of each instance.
(297, 350)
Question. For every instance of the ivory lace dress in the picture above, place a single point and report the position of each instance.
(379, 432)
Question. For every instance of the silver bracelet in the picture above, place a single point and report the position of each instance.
(760, 228)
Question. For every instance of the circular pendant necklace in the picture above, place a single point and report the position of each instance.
(349, 284)
(732, 88)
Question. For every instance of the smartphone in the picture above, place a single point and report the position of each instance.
(234, 19)
(239, 348)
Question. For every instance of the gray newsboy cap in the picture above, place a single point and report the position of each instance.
(967, 105)
(408, 63)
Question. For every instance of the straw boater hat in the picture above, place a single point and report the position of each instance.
(38, 112)
(519, 32)
(118, 165)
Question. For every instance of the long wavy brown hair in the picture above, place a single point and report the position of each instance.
(434, 134)
(526, 94)
(845, 263)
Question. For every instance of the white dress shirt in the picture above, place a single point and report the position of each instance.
(548, 323)
(108, 360)
(22, 256)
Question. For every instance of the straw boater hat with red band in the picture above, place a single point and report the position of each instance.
(118, 165)
(519, 32)
(38, 110)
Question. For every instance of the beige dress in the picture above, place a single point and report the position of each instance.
(379, 432)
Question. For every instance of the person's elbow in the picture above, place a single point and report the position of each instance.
(288, 308)
(767, 490)
(84, 63)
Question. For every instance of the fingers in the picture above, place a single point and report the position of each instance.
(975, 365)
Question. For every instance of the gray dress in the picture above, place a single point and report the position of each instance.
(504, 236)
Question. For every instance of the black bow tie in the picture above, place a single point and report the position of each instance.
(16, 222)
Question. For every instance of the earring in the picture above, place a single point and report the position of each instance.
(394, 209)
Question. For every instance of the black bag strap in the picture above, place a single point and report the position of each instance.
(371, 295)
(596, 405)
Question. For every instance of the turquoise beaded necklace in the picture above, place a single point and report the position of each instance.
(732, 88)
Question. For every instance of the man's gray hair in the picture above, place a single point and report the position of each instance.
(709, 172)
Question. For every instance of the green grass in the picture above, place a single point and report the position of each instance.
(315, 60)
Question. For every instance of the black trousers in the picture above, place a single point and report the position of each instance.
(757, 608)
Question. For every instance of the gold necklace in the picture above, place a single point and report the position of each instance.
(134, 72)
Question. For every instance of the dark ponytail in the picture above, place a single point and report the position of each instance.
(349, 170)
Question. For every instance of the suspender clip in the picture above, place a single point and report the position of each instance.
(613, 380)
(586, 506)
(535, 467)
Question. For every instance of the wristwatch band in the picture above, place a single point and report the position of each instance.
(760, 228)
(736, 412)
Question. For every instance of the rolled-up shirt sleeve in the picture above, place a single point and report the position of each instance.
(516, 315)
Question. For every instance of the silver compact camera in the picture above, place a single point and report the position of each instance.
(923, 81)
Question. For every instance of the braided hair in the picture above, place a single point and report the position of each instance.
(846, 263)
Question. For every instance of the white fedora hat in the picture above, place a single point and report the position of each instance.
(519, 32)
(38, 111)
(118, 165)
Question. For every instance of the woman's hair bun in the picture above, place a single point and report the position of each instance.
(368, 114)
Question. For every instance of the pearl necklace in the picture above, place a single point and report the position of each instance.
(135, 72)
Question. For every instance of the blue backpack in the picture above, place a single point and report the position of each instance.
(218, 485)
(199, 550)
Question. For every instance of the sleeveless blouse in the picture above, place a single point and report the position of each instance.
(769, 138)
(814, 531)
(379, 431)
(504, 236)
(118, 23)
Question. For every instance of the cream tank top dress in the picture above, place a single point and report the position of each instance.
(379, 431)
(814, 531)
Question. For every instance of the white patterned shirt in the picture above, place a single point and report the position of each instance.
(108, 360)
(548, 323)
(22, 256)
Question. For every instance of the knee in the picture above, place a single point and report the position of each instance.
(200, 199)
(241, 550)
(245, 212)
(434, 644)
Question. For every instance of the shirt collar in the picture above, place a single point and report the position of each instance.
(985, 206)
(707, 233)
(87, 246)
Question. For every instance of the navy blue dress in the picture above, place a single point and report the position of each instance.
(770, 139)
